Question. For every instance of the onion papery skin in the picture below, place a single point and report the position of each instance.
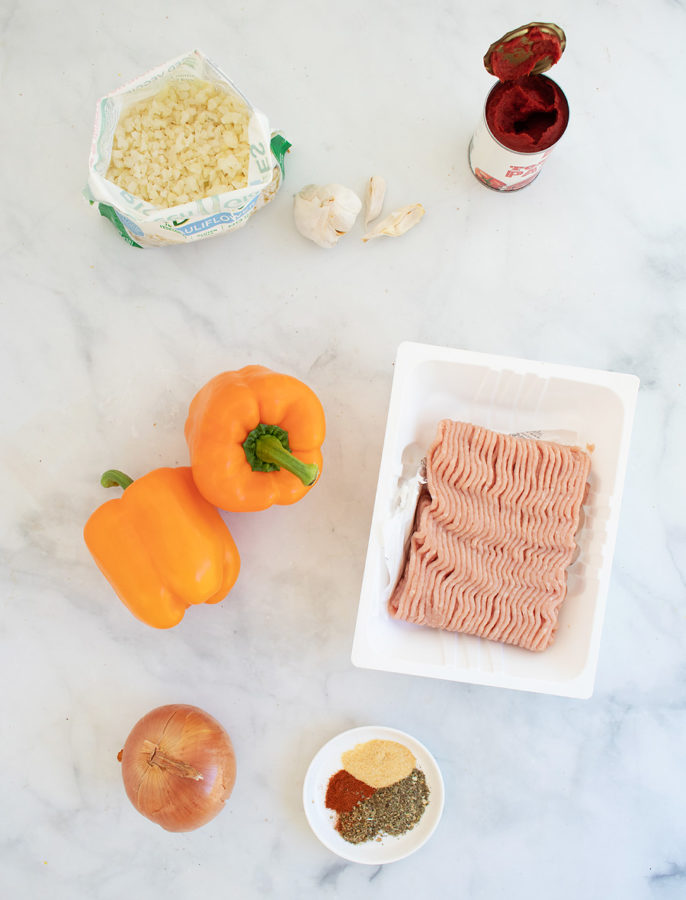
(164, 755)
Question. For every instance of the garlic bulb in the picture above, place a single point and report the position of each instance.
(397, 222)
(323, 213)
(376, 191)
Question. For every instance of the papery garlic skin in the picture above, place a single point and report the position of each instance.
(324, 213)
(397, 222)
(376, 191)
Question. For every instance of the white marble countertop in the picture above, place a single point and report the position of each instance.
(103, 347)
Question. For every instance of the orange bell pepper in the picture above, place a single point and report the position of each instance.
(161, 545)
(254, 438)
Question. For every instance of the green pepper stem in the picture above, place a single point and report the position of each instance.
(115, 478)
(270, 450)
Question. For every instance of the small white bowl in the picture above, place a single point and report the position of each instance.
(323, 821)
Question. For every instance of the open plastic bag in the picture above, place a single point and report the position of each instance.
(144, 225)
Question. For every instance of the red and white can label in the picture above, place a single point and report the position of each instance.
(499, 168)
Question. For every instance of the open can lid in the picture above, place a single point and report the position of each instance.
(528, 50)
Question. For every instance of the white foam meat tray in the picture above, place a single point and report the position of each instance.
(588, 408)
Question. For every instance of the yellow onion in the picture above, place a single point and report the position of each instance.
(178, 767)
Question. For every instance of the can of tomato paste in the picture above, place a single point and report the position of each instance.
(525, 114)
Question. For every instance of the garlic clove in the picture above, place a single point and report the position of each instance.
(376, 191)
(312, 221)
(397, 222)
(324, 213)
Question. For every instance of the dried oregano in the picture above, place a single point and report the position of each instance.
(390, 810)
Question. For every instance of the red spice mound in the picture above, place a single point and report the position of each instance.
(344, 792)
(527, 115)
(519, 56)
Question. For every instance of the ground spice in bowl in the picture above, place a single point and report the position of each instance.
(378, 791)
(379, 763)
(344, 791)
(394, 809)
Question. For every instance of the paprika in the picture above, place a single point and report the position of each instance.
(344, 792)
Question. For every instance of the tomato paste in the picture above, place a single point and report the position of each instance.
(527, 115)
(525, 51)
(526, 112)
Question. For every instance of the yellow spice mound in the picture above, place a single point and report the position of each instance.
(379, 763)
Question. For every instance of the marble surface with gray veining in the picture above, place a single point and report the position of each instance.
(103, 346)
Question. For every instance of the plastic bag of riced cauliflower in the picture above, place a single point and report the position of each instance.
(143, 175)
